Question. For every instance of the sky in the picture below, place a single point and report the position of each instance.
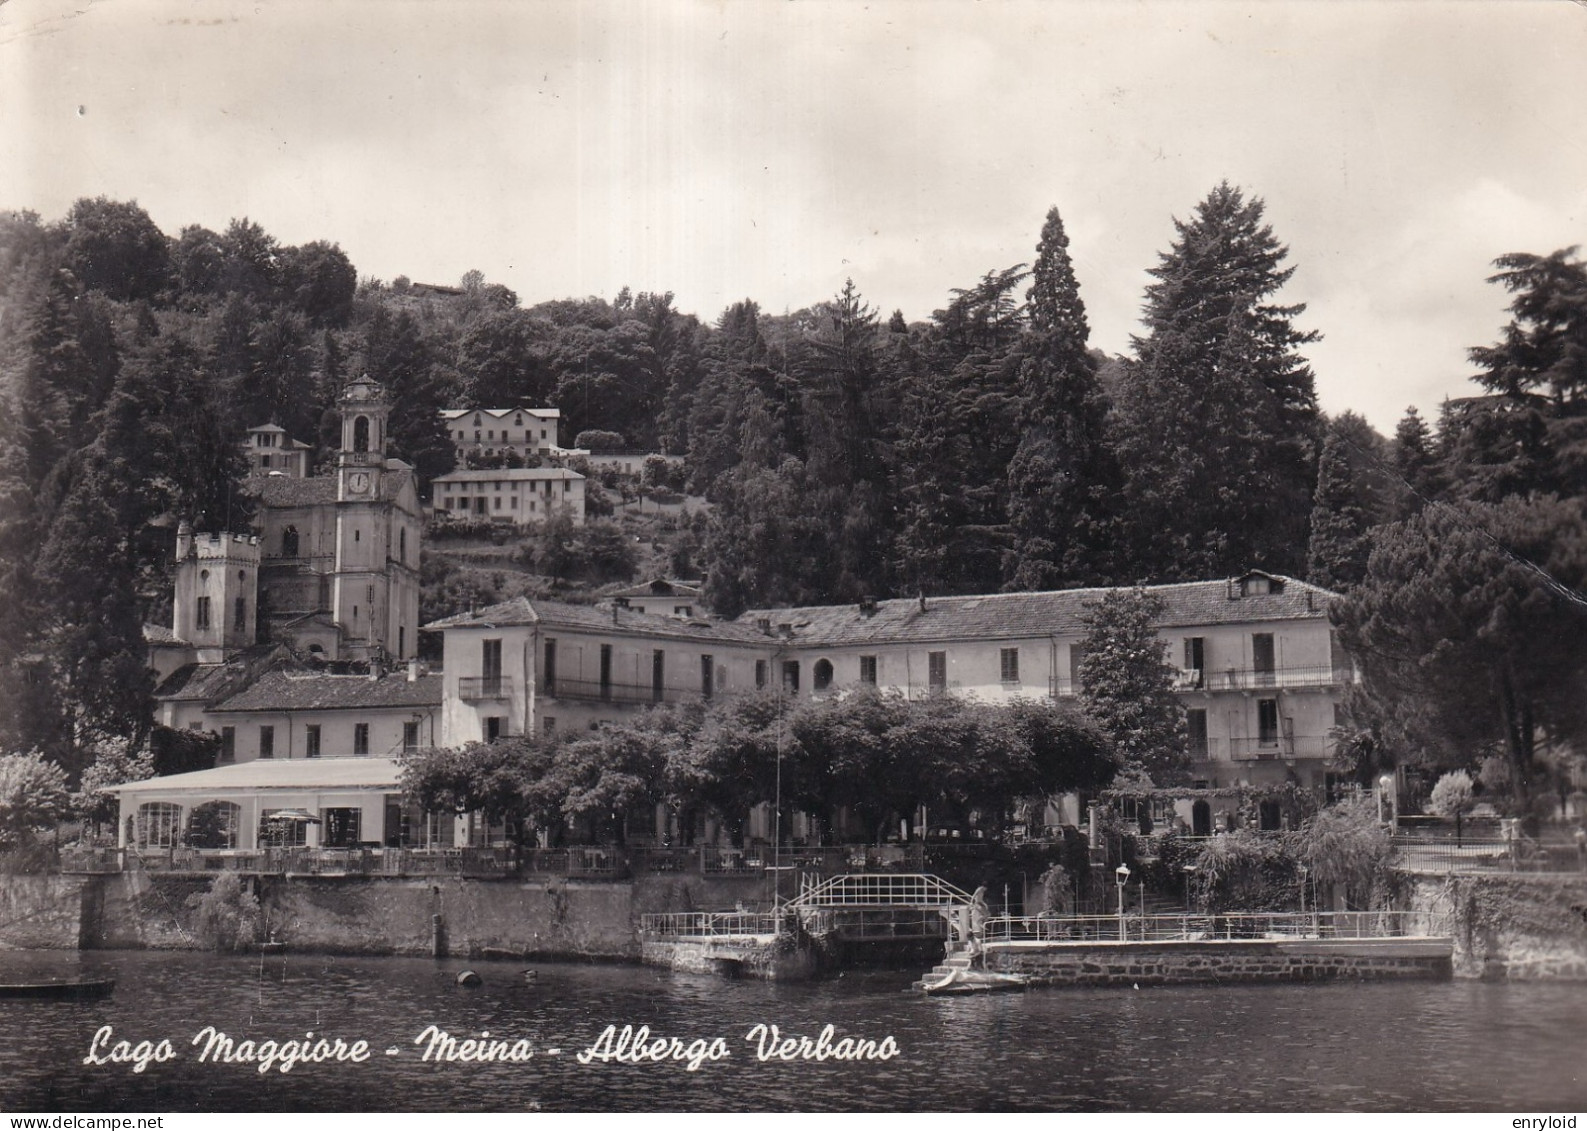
(771, 150)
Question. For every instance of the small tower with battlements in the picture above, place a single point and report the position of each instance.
(215, 607)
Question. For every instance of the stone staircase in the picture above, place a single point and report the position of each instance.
(959, 960)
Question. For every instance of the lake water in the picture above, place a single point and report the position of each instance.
(1347, 1047)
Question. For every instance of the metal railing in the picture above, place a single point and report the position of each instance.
(1523, 854)
(712, 924)
(882, 890)
(476, 687)
(623, 694)
(1200, 927)
(1243, 679)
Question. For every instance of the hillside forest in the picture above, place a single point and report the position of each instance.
(840, 452)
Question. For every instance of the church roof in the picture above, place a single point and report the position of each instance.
(284, 491)
(160, 634)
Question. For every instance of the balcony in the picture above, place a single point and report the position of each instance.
(475, 688)
(623, 694)
(1250, 679)
(919, 691)
(1307, 746)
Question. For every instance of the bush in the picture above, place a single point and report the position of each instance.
(597, 440)
(32, 796)
(228, 916)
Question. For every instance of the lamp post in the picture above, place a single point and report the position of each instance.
(1122, 877)
(1388, 802)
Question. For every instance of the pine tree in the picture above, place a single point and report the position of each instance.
(1416, 462)
(1219, 414)
(1126, 684)
(1062, 477)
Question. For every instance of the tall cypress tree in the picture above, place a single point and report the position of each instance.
(1219, 414)
(1340, 542)
(1062, 477)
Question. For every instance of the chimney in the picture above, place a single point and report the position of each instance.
(868, 605)
(764, 624)
(786, 630)
(413, 671)
(374, 671)
(922, 600)
(184, 539)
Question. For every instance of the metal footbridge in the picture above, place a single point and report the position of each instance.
(879, 907)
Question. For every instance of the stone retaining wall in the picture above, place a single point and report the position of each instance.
(1516, 927)
(1237, 960)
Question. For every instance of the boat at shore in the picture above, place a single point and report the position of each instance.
(87, 989)
(968, 981)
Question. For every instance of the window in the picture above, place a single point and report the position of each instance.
(361, 739)
(707, 676)
(402, 545)
(361, 434)
(937, 670)
(1267, 722)
(493, 728)
(159, 825)
(548, 670)
(267, 742)
(1195, 659)
(1196, 731)
(515, 502)
(821, 675)
(658, 673)
(276, 832)
(683, 610)
(410, 737)
(760, 673)
(1077, 659)
(228, 744)
(402, 641)
(339, 827)
(790, 675)
(1262, 658)
(1010, 665)
(201, 613)
(311, 740)
(239, 619)
(289, 542)
(606, 672)
(490, 666)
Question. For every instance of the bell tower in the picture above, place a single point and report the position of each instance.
(360, 591)
(365, 411)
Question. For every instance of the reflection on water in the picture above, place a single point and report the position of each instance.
(1374, 1047)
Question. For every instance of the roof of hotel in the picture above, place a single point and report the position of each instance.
(508, 473)
(498, 413)
(1025, 615)
(554, 614)
(660, 587)
(321, 691)
(277, 773)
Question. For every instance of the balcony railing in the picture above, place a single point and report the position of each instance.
(624, 694)
(477, 687)
(1251, 679)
